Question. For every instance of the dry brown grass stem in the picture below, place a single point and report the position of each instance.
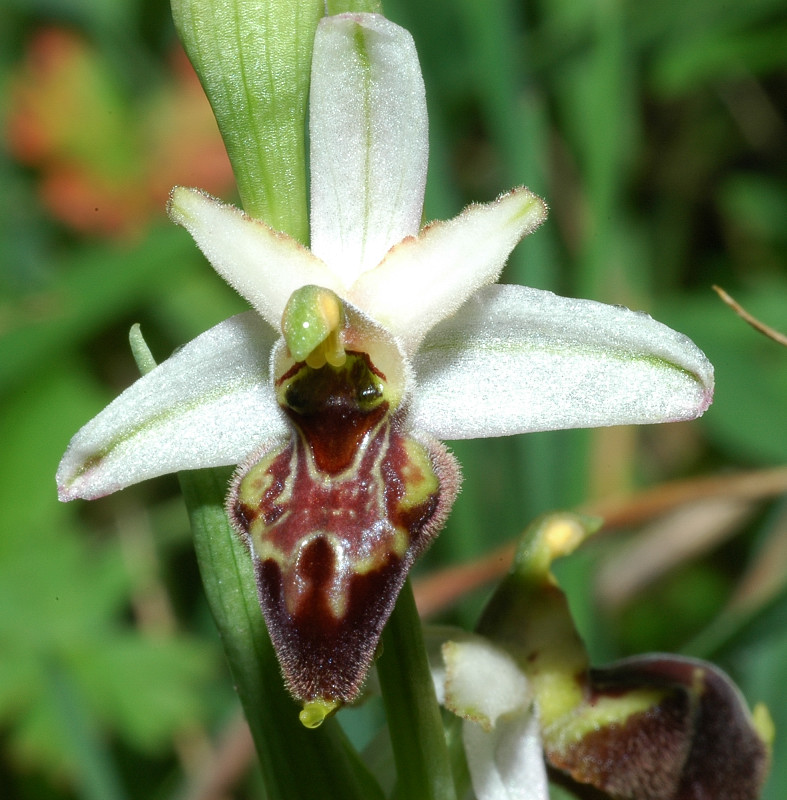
(439, 590)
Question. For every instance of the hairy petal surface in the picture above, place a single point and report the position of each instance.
(209, 404)
(482, 682)
(262, 265)
(426, 279)
(515, 360)
(369, 143)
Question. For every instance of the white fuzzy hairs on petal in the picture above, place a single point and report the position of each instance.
(425, 279)
(515, 360)
(368, 139)
(209, 404)
(263, 265)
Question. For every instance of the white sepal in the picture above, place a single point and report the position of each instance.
(368, 139)
(502, 737)
(424, 280)
(514, 360)
(262, 265)
(209, 404)
(482, 682)
(508, 762)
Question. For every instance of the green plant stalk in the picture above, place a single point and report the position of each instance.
(344, 6)
(456, 753)
(296, 763)
(414, 721)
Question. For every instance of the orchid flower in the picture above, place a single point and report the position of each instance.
(660, 727)
(483, 684)
(358, 356)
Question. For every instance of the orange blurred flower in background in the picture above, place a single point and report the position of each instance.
(106, 159)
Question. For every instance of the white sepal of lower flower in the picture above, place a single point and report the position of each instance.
(478, 359)
(483, 685)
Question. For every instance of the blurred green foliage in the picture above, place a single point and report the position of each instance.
(657, 132)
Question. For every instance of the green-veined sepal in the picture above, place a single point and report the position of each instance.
(208, 405)
(516, 360)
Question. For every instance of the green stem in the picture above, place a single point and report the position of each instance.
(414, 721)
(296, 763)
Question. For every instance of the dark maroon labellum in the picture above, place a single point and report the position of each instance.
(335, 519)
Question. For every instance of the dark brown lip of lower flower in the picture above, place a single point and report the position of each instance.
(697, 742)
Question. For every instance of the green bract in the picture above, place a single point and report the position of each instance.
(253, 59)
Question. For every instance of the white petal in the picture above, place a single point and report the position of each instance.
(515, 360)
(209, 404)
(368, 138)
(261, 264)
(435, 636)
(424, 280)
(482, 682)
(507, 763)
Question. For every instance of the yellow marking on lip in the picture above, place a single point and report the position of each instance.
(420, 479)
